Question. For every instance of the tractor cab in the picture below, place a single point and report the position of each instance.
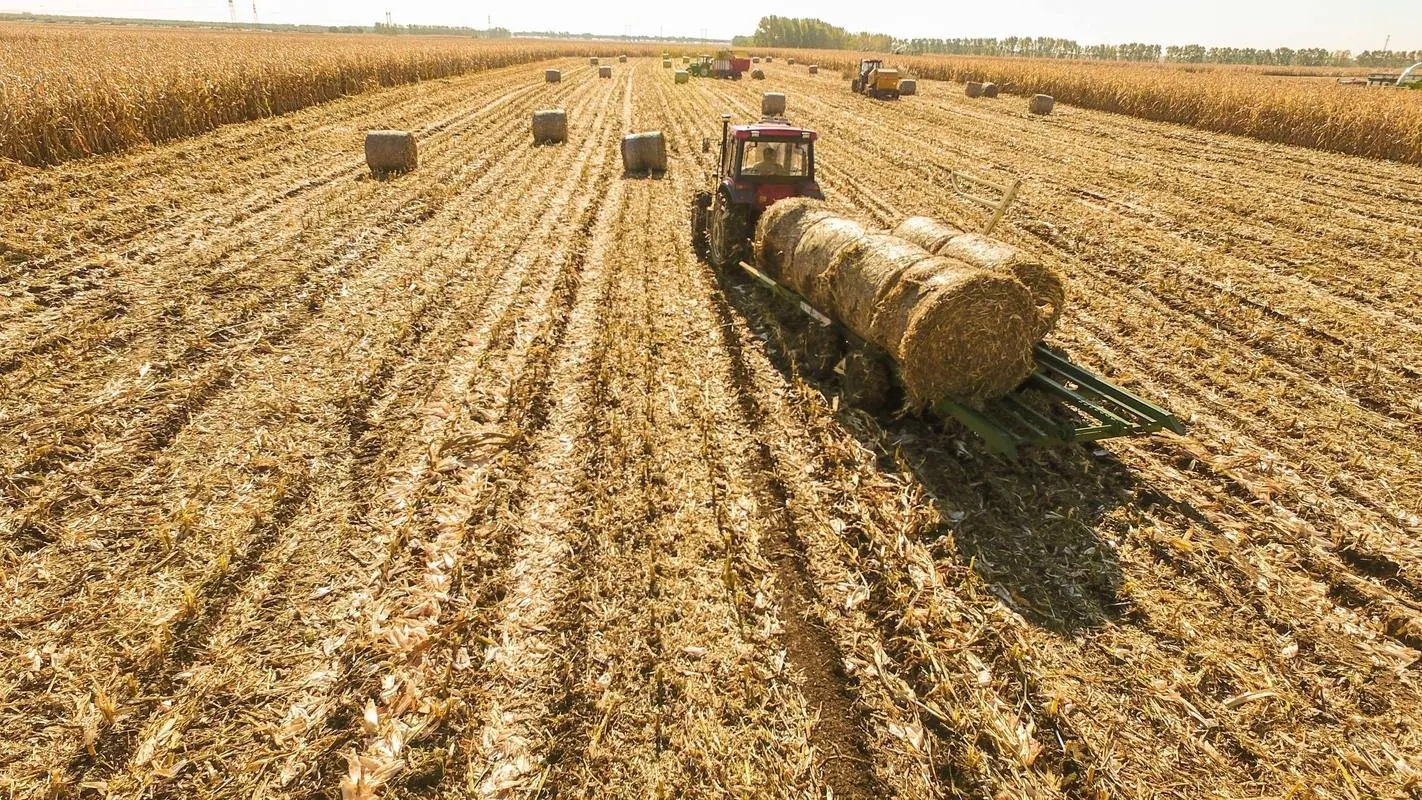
(761, 163)
(700, 67)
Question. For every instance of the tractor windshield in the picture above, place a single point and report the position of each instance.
(786, 158)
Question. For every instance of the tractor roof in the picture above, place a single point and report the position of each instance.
(772, 129)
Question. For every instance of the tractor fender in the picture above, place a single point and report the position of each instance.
(737, 195)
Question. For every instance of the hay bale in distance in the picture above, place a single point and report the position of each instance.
(1041, 104)
(552, 75)
(550, 125)
(686, 59)
(926, 232)
(592, 62)
(790, 61)
(814, 69)
(757, 74)
(755, 59)
(908, 86)
(681, 76)
(990, 90)
(622, 59)
(604, 72)
(772, 104)
(770, 59)
(666, 63)
(974, 89)
(389, 152)
(644, 152)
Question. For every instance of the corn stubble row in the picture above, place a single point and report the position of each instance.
(71, 93)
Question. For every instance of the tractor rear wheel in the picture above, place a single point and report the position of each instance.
(854, 86)
(728, 232)
(700, 212)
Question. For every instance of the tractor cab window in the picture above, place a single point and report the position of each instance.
(783, 159)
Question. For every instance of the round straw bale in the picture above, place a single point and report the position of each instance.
(772, 104)
(622, 59)
(643, 152)
(666, 63)
(908, 86)
(926, 232)
(758, 74)
(790, 61)
(861, 275)
(592, 61)
(809, 270)
(814, 69)
(604, 72)
(686, 59)
(974, 89)
(552, 75)
(681, 76)
(390, 151)
(755, 59)
(1045, 284)
(770, 59)
(989, 90)
(779, 229)
(957, 331)
(1041, 104)
(550, 125)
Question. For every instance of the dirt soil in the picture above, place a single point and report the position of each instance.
(474, 482)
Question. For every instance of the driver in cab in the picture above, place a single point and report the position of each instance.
(767, 163)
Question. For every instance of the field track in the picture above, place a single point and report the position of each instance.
(474, 482)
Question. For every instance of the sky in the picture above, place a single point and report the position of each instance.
(1333, 24)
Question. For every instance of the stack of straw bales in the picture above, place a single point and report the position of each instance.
(956, 330)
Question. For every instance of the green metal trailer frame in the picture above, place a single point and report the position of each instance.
(1090, 407)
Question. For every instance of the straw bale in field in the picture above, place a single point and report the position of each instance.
(666, 63)
(814, 69)
(990, 90)
(1041, 104)
(390, 151)
(757, 74)
(604, 72)
(550, 125)
(772, 104)
(795, 240)
(592, 61)
(552, 75)
(622, 59)
(908, 86)
(790, 61)
(770, 59)
(644, 152)
(755, 59)
(973, 89)
(682, 76)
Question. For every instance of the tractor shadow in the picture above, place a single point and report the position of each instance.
(1041, 531)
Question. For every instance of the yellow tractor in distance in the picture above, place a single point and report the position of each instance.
(876, 80)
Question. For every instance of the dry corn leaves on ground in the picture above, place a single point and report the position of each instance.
(474, 483)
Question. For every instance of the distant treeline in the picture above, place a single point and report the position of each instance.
(429, 30)
(798, 32)
(813, 34)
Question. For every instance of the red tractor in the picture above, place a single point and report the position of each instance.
(760, 163)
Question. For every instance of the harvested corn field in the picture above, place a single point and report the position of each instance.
(473, 481)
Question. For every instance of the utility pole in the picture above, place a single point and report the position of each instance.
(255, 21)
(232, 10)
(1387, 42)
